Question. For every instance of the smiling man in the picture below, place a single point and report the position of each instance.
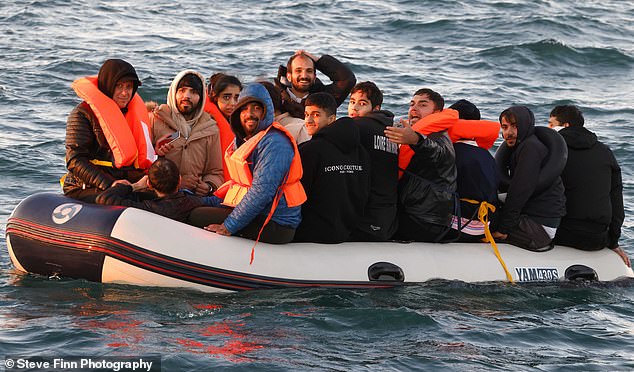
(264, 193)
(298, 79)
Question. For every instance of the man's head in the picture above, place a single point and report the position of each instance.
(517, 122)
(163, 176)
(254, 112)
(365, 97)
(424, 102)
(566, 116)
(466, 110)
(320, 111)
(189, 94)
(118, 80)
(300, 72)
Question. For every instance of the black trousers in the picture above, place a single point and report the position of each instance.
(273, 232)
(529, 235)
(580, 239)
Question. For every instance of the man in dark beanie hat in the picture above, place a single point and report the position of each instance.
(196, 150)
(105, 134)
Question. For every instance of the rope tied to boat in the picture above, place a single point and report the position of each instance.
(483, 216)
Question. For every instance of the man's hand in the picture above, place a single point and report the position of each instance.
(303, 52)
(121, 182)
(202, 188)
(402, 136)
(623, 255)
(140, 184)
(499, 235)
(163, 146)
(189, 182)
(218, 229)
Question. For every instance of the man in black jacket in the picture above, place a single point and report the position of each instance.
(336, 177)
(426, 190)
(594, 188)
(529, 217)
(379, 221)
(298, 79)
(164, 178)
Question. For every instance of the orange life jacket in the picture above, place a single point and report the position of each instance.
(484, 132)
(226, 134)
(241, 178)
(128, 136)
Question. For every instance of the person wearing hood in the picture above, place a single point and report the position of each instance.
(593, 184)
(196, 148)
(264, 193)
(336, 174)
(298, 79)
(294, 125)
(107, 135)
(528, 219)
(427, 187)
(379, 221)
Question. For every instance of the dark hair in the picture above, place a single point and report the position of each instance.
(436, 98)
(289, 64)
(370, 89)
(191, 81)
(324, 101)
(466, 110)
(163, 175)
(275, 93)
(568, 114)
(219, 82)
(509, 116)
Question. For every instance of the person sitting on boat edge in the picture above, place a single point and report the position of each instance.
(107, 135)
(427, 187)
(298, 79)
(477, 177)
(336, 174)
(222, 96)
(264, 193)
(593, 187)
(294, 125)
(529, 217)
(379, 220)
(164, 178)
(196, 150)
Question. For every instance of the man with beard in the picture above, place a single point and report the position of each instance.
(196, 148)
(529, 217)
(107, 139)
(299, 79)
(264, 193)
(379, 218)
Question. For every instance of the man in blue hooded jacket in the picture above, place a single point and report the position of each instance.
(264, 193)
(529, 217)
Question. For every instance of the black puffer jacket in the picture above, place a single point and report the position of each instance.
(176, 206)
(428, 186)
(594, 188)
(343, 80)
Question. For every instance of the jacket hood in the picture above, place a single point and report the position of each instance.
(384, 117)
(578, 137)
(525, 121)
(252, 93)
(343, 133)
(114, 70)
(171, 94)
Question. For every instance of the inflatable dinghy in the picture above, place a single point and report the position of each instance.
(52, 235)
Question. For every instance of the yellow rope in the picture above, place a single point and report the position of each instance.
(102, 163)
(483, 216)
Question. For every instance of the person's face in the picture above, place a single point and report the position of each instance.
(302, 74)
(250, 116)
(359, 104)
(316, 118)
(509, 132)
(187, 99)
(227, 99)
(553, 122)
(123, 93)
(419, 107)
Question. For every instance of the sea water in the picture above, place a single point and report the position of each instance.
(494, 53)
